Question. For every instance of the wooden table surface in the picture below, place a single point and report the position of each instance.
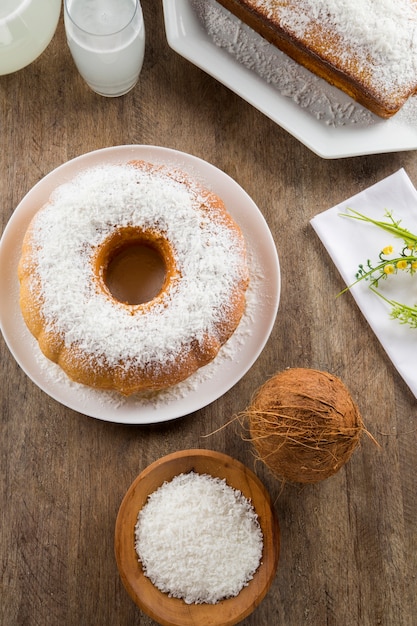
(349, 544)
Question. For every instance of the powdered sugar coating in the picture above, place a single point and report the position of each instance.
(66, 233)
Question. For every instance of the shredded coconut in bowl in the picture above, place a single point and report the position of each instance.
(198, 539)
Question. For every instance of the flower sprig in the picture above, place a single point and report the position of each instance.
(401, 312)
(388, 265)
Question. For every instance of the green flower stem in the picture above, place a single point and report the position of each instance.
(404, 313)
(391, 227)
(380, 268)
(363, 277)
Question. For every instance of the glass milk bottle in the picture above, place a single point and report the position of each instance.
(26, 28)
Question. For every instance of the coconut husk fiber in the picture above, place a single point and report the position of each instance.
(304, 424)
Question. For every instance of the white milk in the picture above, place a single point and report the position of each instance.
(26, 28)
(109, 63)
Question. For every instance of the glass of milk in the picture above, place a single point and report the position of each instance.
(107, 42)
(26, 28)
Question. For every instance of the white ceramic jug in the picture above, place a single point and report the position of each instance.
(26, 28)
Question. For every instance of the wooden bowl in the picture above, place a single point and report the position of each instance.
(174, 611)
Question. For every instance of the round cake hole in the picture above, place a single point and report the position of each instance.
(135, 274)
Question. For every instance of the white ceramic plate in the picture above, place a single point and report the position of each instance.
(212, 381)
(187, 36)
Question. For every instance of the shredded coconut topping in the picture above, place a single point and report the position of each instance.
(198, 539)
(291, 80)
(382, 34)
(320, 99)
(80, 216)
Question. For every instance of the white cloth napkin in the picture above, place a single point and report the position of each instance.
(351, 242)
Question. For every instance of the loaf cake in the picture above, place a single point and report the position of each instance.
(366, 48)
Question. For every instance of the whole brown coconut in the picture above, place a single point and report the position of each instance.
(304, 424)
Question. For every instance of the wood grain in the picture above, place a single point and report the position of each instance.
(348, 544)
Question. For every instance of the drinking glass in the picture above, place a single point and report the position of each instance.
(107, 42)
(26, 29)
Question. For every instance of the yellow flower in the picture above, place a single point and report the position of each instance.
(389, 269)
(387, 250)
(402, 265)
(414, 265)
